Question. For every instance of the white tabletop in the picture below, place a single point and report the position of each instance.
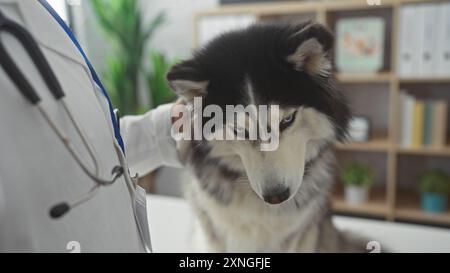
(171, 226)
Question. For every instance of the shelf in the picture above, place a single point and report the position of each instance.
(376, 206)
(356, 4)
(408, 208)
(444, 151)
(425, 80)
(387, 77)
(382, 147)
(262, 9)
(378, 145)
(364, 78)
(291, 7)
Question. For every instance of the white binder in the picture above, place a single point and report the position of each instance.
(418, 31)
(443, 49)
(428, 63)
(406, 41)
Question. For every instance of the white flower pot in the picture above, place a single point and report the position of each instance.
(356, 195)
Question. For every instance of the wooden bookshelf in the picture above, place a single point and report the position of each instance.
(385, 145)
(376, 206)
(380, 145)
(425, 80)
(408, 208)
(391, 201)
(364, 78)
(425, 151)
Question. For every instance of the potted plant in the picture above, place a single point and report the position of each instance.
(129, 35)
(357, 180)
(434, 187)
(160, 91)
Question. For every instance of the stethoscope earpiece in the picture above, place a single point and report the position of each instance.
(57, 211)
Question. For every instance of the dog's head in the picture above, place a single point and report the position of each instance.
(272, 65)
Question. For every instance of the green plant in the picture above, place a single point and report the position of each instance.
(122, 21)
(357, 175)
(434, 181)
(160, 91)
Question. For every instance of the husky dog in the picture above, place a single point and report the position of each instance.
(248, 200)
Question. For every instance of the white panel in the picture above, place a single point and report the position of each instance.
(211, 26)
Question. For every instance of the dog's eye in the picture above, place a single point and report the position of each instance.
(239, 131)
(287, 121)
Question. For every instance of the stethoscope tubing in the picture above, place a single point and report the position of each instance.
(29, 93)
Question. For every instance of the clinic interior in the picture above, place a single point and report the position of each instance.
(399, 135)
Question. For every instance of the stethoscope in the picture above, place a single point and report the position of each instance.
(25, 88)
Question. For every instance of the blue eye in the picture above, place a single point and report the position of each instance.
(287, 121)
(239, 131)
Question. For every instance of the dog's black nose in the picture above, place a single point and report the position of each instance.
(276, 195)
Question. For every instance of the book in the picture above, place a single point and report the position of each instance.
(401, 121)
(428, 123)
(439, 124)
(417, 128)
(407, 109)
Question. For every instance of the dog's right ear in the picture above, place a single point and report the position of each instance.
(310, 48)
(187, 81)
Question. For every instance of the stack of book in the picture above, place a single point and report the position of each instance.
(423, 122)
(424, 40)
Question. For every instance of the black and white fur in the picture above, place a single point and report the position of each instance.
(232, 193)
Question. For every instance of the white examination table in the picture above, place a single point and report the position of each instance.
(171, 223)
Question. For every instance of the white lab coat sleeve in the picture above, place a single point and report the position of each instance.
(148, 141)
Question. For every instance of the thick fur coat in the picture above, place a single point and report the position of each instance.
(248, 200)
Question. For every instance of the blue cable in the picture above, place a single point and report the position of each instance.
(66, 28)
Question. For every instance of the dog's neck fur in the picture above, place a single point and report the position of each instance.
(234, 218)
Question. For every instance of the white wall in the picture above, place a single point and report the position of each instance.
(174, 38)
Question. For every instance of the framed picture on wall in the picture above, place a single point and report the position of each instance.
(360, 44)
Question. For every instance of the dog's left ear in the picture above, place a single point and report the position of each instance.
(187, 80)
(311, 46)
